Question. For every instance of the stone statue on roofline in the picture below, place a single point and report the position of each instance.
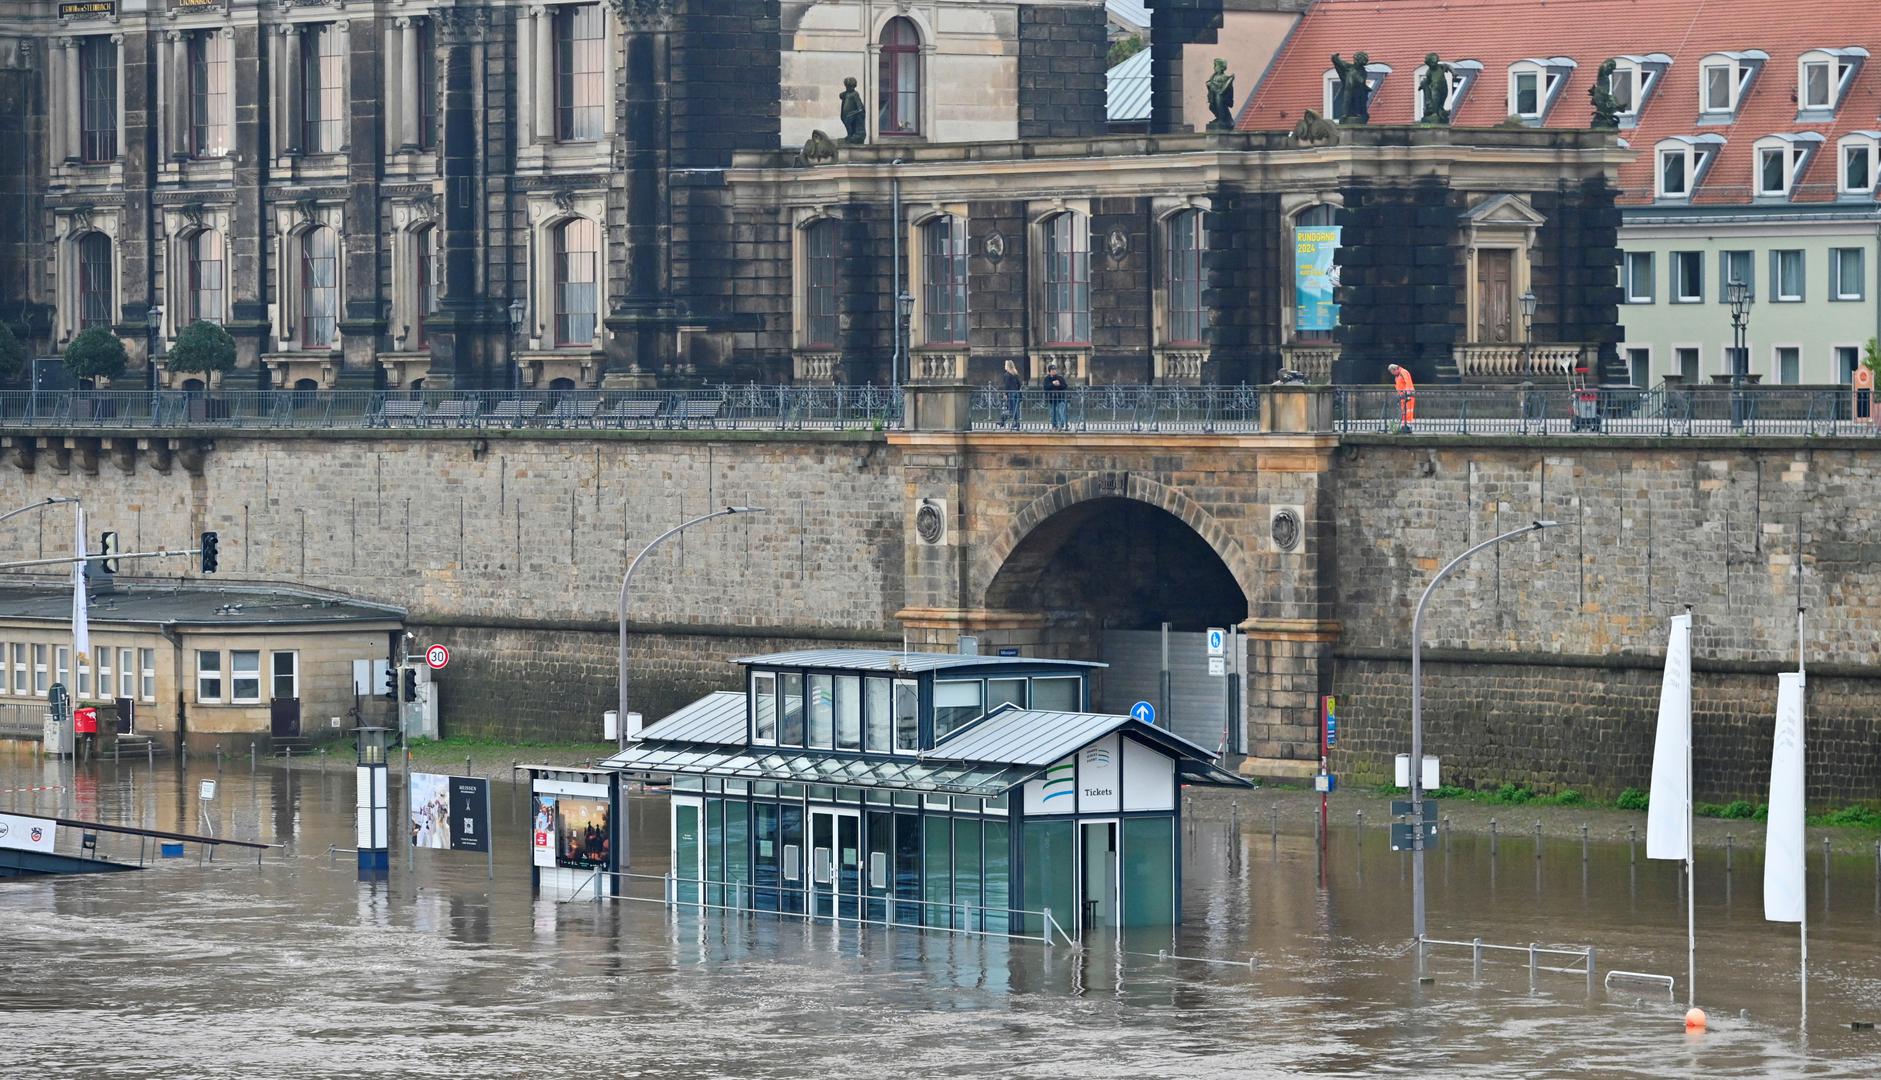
(1355, 99)
(1221, 97)
(1606, 107)
(855, 115)
(1435, 86)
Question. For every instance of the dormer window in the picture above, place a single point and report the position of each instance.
(1461, 76)
(1823, 77)
(1857, 158)
(1723, 79)
(1682, 163)
(1780, 160)
(1634, 79)
(1534, 84)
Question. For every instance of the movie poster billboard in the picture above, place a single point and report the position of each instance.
(583, 837)
(450, 813)
(1315, 277)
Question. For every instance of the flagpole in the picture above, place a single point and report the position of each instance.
(1691, 899)
(1802, 924)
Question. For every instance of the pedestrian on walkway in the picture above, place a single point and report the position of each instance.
(1056, 392)
(1013, 384)
(1407, 396)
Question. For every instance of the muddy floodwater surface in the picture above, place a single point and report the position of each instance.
(1292, 960)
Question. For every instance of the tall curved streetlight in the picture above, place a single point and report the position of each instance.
(1417, 727)
(620, 721)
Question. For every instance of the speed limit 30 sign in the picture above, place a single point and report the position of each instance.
(437, 656)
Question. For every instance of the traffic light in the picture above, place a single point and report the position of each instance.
(209, 542)
(107, 543)
(391, 684)
(411, 684)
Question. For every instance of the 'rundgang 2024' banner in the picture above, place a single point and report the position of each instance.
(1315, 277)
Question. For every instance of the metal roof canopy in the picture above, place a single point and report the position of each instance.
(741, 763)
(1037, 737)
(904, 662)
(718, 717)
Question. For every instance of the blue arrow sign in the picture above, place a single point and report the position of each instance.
(1144, 711)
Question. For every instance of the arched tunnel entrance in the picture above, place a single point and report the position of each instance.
(1108, 573)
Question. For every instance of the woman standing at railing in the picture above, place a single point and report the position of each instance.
(1013, 384)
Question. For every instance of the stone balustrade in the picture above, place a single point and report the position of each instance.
(1504, 360)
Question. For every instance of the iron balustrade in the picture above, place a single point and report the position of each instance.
(749, 407)
(1666, 410)
(1118, 408)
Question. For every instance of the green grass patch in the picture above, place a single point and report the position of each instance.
(1632, 799)
(1850, 817)
(1738, 810)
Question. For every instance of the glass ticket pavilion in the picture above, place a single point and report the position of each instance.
(966, 792)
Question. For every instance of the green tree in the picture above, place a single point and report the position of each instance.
(95, 354)
(12, 353)
(202, 347)
(1871, 356)
(1123, 49)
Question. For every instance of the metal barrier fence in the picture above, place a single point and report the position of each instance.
(19, 721)
(1535, 953)
(1661, 410)
(722, 407)
(711, 895)
(1118, 409)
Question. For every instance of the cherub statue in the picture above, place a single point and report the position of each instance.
(1435, 86)
(1221, 97)
(1355, 105)
(1607, 108)
(855, 116)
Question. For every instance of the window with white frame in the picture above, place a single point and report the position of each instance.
(62, 666)
(1067, 279)
(1847, 358)
(1623, 85)
(1786, 276)
(127, 674)
(84, 676)
(1457, 82)
(1788, 361)
(1675, 180)
(1333, 90)
(41, 683)
(1636, 267)
(208, 676)
(1687, 357)
(147, 674)
(1535, 84)
(1723, 78)
(1639, 365)
(4, 653)
(1823, 76)
(21, 673)
(1682, 163)
(1859, 154)
(1736, 266)
(1688, 277)
(1780, 160)
(244, 676)
(1847, 275)
(284, 674)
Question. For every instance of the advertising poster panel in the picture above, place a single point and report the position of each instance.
(430, 811)
(542, 830)
(583, 837)
(1315, 277)
(470, 809)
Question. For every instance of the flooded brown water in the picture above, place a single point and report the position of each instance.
(294, 968)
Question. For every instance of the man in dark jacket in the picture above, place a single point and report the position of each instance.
(1056, 393)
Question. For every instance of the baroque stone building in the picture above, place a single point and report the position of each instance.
(361, 191)
(395, 193)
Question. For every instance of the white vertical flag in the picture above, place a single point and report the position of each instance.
(1668, 815)
(81, 628)
(1783, 894)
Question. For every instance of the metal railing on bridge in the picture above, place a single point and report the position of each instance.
(1659, 411)
(774, 408)
(1112, 408)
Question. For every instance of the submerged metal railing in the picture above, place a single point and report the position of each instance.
(1666, 410)
(1535, 952)
(673, 894)
(1174, 409)
(727, 407)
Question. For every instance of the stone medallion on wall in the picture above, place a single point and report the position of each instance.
(1286, 527)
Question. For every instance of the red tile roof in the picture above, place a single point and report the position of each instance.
(1499, 33)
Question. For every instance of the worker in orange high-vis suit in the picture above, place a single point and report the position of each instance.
(1407, 395)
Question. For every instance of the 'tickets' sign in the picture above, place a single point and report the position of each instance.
(88, 9)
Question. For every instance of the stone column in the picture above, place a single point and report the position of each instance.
(408, 83)
(74, 103)
(55, 86)
(166, 106)
(545, 74)
(287, 57)
(117, 62)
(181, 112)
(525, 76)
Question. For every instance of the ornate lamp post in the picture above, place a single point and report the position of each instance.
(153, 325)
(1737, 293)
(1529, 303)
(904, 315)
(516, 311)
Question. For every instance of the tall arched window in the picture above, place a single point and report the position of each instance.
(319, 287)
(900, 78)
(206, 289)
(1185, 241)
(95, 297)
(944, 281)
(577, 281)
(819, 285)
(1315, 308)
(1067, 280)
(425, 281)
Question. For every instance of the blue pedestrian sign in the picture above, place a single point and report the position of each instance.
(1217, 641)
(1144, 711)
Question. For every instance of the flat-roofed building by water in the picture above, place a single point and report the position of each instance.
(928, 789)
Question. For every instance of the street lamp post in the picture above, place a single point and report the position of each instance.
(1529, 302)
(1737, 292)
(516, 311)
(1417, 728)
(153, 325)
(904, 315)
(620, 721)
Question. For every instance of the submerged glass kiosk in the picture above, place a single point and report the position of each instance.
(967, 792)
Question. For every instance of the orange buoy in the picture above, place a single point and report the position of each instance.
(1694, 1021)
